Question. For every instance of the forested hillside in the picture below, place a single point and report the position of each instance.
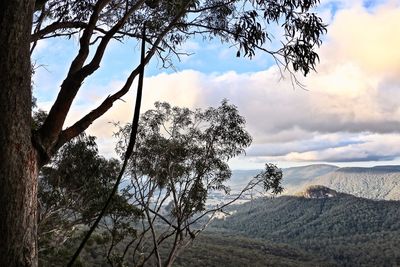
(380, 182)
(222, 249)
(295, 176)
(320, 227)
(340, 228)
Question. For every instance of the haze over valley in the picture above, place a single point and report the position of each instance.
(379, 182)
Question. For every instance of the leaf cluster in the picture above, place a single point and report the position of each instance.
(72, 190)
(187, 151)
(246, 25)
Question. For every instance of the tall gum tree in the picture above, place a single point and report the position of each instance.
(18, 158)
(243, 24)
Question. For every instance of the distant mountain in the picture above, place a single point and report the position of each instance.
(381, 182)
(299, 175)
(293, 177)
(240, 178)
(309, 216)
(345, 229)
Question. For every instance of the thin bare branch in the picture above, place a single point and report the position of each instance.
(40, 34)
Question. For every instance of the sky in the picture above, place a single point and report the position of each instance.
(348, 114)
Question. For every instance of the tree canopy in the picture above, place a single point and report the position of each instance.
(72, 190)
(243, 24)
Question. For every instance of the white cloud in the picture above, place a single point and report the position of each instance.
(371, 147)
(366, 38)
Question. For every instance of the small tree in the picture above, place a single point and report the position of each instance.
(72, 190)
(180, 157)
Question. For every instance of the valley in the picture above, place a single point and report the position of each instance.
(337, 228)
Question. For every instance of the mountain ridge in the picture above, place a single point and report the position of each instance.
(345, 229)
(380, 182)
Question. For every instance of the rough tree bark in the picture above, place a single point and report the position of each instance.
(18, 158)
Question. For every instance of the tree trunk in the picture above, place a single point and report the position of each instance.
(18, 158)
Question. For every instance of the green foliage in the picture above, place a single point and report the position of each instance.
(38, 118)
(186, 151)
(79, 175)
(271, 178)
(244, 24)
(72, 190)
(180, 157)
(223, 249)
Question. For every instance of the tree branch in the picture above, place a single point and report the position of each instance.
(52, 126)
(88, 119)
(49, 132)
(57, 26)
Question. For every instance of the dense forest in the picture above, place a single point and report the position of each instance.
(220, 248)
(343, 229)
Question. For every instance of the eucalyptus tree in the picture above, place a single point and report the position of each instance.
(23, 23)
(180, 158)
